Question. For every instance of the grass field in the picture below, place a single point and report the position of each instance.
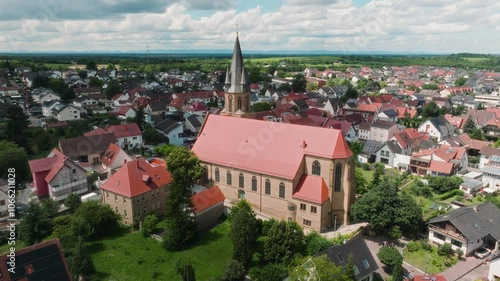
(368, 175)
(477, 59)
(132, 257)
(424, 259)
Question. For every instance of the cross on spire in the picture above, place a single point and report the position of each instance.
(237, 26)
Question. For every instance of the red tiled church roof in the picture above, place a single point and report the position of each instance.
(259, 146)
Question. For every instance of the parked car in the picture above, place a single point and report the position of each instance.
(482, 252)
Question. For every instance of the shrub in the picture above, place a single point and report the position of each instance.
(414, 246)
(449, 194)
(459, 253)
(149, 225)
(235, 271)
(367, 166)
(425, 245)
(389, 256)
(316, 243)
(445, 250)
(269, 272)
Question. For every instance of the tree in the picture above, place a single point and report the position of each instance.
(50, 207)
(95, 82)
(312, 87)
(140, 118)
(152, 136)
(350, 94)
(254, 75)
(316, 243)
(100, 217)
(57, 85)
(397, 271)
(361, 183)
(389, 256)
(469, 125)
(299, 83)
(110, 66)
(72, 202)
(91, 65)
(149, 225)
(442, 185)
(235, 271)
(113, 88)
(269, 272)
(431, 109)
(284, 241)
(384, 207)
(165, 149)
(79, 261)
(185, 270)
(320, 268)
(40, 81)
(185, 169)
(261, 106)
(477, 134)
(446, 250)
(34, 226)
(284, 87)
(68, 94)
(379, 172)
(243, 233)
(460, 81)
(18, 122)
(356, 147)
(14, 159)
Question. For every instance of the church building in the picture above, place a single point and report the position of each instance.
(285, 171)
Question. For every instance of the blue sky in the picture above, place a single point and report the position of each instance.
(431, 26)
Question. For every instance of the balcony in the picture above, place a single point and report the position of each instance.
(451, 234)
(62, 197)
(68, 185)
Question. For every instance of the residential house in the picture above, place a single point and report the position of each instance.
(156, 108)
(85, 102)
(66, 112)
(136, 190)
(113, 158)
(128, 136)
(368, 154)
(173, 130)
(57, 176)
(84, 91)
(437, 128)
(364, 132)
(48, 106)
(444, 161)
(333, 106)
(389, 115)
(286, 176)
(471, 186)
(383, 130)
(41, 95)
(86, 148)
(347, 129)
(123, 112)
(467, 228)
(491, 178)
(362, 259)
(387, 152)
(489, 156)
(42, 261)
(194, 123)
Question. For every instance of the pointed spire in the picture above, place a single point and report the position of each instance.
(228, 79)
(237, 71)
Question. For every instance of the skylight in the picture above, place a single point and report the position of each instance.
(366, 264)
(356, 270)
(341, 258)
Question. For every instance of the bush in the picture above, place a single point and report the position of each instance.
(149, 225)
(367, 166)
(459, 253)
(395, 232)
(414, 246)
(449, 194)
(389, 256)
(425, 245)
(316, 243)
(446, 250)
(235, 271)
(269, 272)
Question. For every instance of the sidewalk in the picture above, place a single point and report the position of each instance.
(462, 268)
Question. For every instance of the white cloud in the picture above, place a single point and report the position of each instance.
(391, 25)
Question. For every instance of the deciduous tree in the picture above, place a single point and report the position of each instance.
(243, 232)
(299, 83)
(35, 225)
(284, 241)
(72, 202)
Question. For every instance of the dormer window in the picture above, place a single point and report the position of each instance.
(316, 168)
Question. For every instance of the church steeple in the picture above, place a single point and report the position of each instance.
(238, 76)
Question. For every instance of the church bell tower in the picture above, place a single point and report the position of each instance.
(237, 86)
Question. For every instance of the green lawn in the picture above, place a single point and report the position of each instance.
(427, 259)
(133, 257)
(368, 175)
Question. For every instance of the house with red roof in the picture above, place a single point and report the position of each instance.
(208, 207)
(442, 161)
(57, 176)
(113, 158)
(136, 190)
(123, 112)
(128, 136)
(285, 171)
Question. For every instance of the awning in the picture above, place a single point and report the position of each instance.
(488, 190)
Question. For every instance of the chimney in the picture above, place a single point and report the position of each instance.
(303, 145)
(124, 161)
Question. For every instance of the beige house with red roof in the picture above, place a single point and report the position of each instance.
(57, 176)
(208, 206)
(443, 161)
(136, 190)
(285, 171)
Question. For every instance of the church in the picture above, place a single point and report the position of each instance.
(285, 171)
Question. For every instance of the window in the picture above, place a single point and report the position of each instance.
(306, 222)
(144, 211)
(139, 212)
(282, 190)
(116, 198)
(239, 103)
(116, 209)
(439, 236)
(366, 264)
(2, 203)
(338, 177)
(205, 173)
(356, 270)
(74, 171)
(229, 179)
(134, 138)
(143, 197)
(314, 209)
(230, 104)
(291, 208)
(241, 194)
(254, 183)
(241, 181)
(125, 213)
(341, 258)
(456, 243)
(316, 168)
(268, 187)
(217, 175)
(302, 206)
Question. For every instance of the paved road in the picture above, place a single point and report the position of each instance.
(476, 274)
(462, 268)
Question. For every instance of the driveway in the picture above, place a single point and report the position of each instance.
(462, 268)
(476, 274)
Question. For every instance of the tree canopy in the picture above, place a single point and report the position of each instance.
(431, 109)
(284, 241)
(243, 232)
(114, 87)
(299, 83)
(321, 268)
(13, 156)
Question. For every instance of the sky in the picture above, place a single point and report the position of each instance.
(402, 26)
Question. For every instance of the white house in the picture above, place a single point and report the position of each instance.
(85, 101)
(494, 271)
(173, 130)
(113, 158)
(491, 177)
(332, 106)
(438, 128)
(128, 136)
(64, 112)
(48, 106)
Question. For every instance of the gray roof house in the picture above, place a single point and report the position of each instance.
(362, 259)
(438, 128)
(467, 228)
